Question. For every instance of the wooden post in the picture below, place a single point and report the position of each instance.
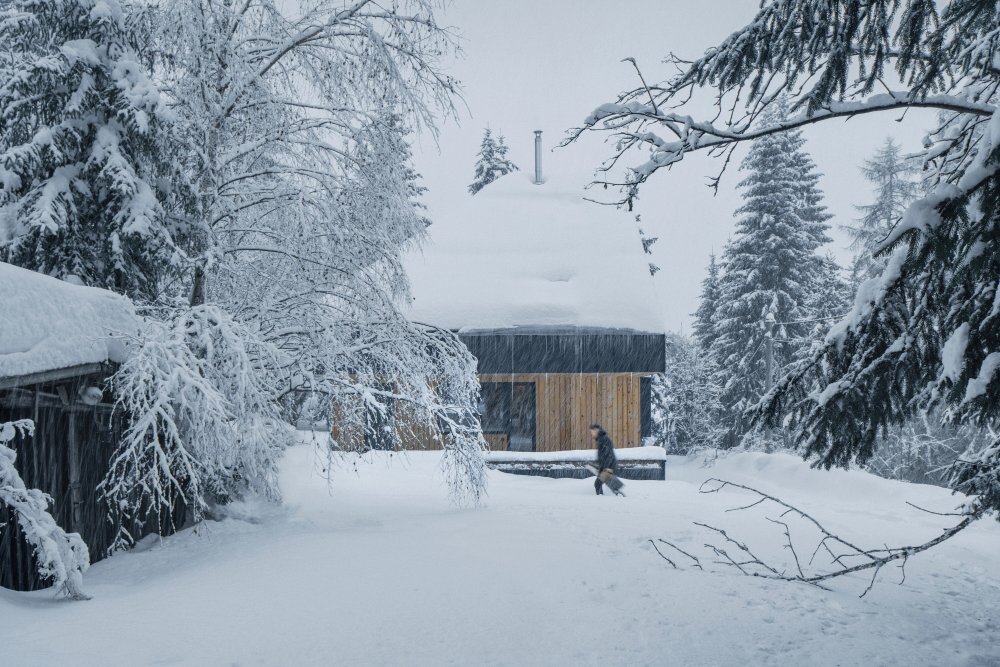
(73, 454)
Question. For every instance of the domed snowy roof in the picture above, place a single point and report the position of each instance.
(519, 254)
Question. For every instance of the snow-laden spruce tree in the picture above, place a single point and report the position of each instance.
(893, 178)
(60, 557)
(771, 271)
(706, 316)
(295, 124)
(492, 162)
(921, 449)
(926, 331)
(85, 169)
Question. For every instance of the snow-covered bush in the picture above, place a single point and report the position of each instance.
(60, 556)
(204, 425)
(685, 409)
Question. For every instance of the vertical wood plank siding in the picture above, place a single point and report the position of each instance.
(67, 457)
(568, 403)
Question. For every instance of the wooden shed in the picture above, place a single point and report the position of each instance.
(59, 343)
(554, 297)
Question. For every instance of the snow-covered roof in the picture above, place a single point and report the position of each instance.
(519, 254)
(48, 324)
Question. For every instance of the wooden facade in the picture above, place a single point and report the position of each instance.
(541, 390)
(566, 404)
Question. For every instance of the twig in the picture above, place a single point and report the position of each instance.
(697, 562)
(746, 507)
(754, 560)
(672, 563)
(923, 509)
(645, 85)
(790, 546)
(872, 582)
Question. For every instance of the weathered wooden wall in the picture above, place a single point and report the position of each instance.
(73, 442)
(566, 404)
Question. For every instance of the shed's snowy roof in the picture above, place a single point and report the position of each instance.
(47, 324)
(519, 254)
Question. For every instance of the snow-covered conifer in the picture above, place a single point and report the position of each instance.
(85, 175)
(705, 318)
(772, 268)
(685, 400)
(492, 163)
(893, 177)
(829, 299)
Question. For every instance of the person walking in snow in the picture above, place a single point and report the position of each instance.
(606, 461)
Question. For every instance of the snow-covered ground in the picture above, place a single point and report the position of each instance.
(381, 570)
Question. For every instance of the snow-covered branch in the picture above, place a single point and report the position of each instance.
(828, 58)
(60, 556)
(845, 558)
(204, 422)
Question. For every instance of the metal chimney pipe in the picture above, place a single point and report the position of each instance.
(538, 157)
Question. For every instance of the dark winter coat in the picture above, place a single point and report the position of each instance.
(605, 451)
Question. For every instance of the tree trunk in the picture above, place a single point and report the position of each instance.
(198, 288)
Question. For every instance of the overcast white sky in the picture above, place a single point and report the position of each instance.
(545, 64)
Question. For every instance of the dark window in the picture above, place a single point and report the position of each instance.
(509, 408)
(496, 407)
(645, 407)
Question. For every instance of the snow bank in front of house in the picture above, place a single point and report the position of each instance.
(623, 454)
(521, 254)
(47, 324)
(377, 568)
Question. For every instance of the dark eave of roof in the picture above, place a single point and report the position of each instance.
(548, 351)
(53, 375)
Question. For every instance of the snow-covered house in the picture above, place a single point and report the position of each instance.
(59, 343)
(553, 296)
